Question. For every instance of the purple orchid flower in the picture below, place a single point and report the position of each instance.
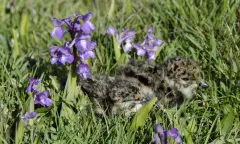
(61, 55)
(83, 70)
(124, 37)
(57, 31)
(111, 31)
(32, 85)
(87, 27)
(42, 99)
(149, 45)
(27, 116)
(72, 26)
(79, 28)
(85, 49)
(161, 136)
(39, 98)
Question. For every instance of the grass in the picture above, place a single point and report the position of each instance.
(202, 30)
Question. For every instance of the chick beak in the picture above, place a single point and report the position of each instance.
(203, 84)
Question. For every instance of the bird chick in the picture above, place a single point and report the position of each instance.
(139, 81)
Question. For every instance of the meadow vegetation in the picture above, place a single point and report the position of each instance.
(204, 30)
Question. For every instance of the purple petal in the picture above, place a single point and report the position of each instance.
(61, 55)
(111, 31)
(66, 58)
(56, 22)
(141, 52)
(77, 25)
(173, 133)
(29, 88)
(82, 45)
(124, 30)
(155, 48)
(70, 59)
(31, 80)
(127, 47)
(54, 60)
(87, 27)
(149, 36)
(126, 36)
(46, 102)
(67, 20)
(53, 50)
(158, 128)
(156, 139)
(83, 70)
(42, 99)
(57, 32)
(65, 50)
(28, 115)
(77, 15)
(137, 46)
(88, 54)
(150, 29)
(91, 46)
(178, 140)
(151, 55)
(22, 117)
(32, 84)
(45, 93)
(158, 42)
(131, 32)
(87, 16)
(31, 115)
(130, 35)
(82, 36)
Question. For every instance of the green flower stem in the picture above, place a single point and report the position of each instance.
(31, 109)
(19, 133)
(72, 78)
(117, 49)
(71, 88)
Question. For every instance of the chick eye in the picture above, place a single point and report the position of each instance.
(185, 78)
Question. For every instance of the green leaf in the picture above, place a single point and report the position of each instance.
(30, 108)
(43, 109)
(213, 45)
(16, 50)
(117, 49)
(19, 132)
(188, 136)
(192, 126)
(234, 65)
(111, 10)
(71, 87)
(141, 116)
(227, 122)
(24, 24)
(194, 41)
(128, 7)
(219, 141)
(55, 82)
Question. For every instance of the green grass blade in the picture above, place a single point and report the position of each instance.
(141, 116)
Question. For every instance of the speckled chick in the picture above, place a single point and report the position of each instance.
(139, 81)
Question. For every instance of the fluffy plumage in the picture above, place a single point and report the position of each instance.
(137, 82)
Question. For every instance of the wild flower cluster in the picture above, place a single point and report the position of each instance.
(27, 116)
(161, 136)
(40, 98)
(79, 48)
(125, 37)
(148, 47)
